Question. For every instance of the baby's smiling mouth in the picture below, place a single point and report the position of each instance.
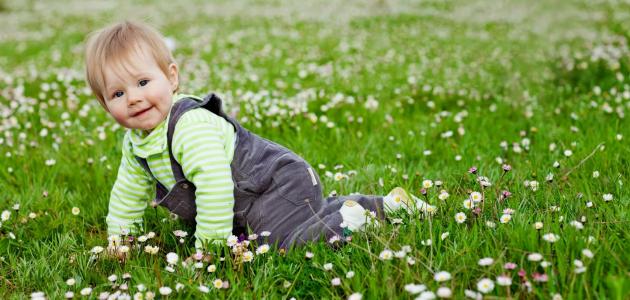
(138, 113)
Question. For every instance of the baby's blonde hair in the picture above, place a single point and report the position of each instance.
(116, 44)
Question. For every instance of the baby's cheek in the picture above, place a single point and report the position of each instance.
(119, 118)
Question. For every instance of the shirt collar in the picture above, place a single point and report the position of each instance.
(145, 145)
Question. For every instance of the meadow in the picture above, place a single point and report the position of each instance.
(508, 116)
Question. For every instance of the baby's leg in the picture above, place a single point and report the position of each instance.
(342, 215)
(346, 212)
(325, 226)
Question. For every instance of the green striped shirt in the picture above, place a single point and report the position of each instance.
(203, 144)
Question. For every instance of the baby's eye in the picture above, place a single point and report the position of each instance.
(117, 94)
(143, 82)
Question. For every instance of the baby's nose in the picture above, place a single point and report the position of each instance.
(133, 97)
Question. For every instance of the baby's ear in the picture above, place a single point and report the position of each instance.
(173, 76)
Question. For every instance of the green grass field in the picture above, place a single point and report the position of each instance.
(388, 93)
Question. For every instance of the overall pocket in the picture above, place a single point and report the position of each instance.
(181, 201)
(297, 183)
(244, 197)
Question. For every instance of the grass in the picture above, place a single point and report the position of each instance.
(507, 81)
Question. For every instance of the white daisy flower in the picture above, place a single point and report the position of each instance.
(248, 256)
(588, 253)
(444, 292)
(460, 217)
(534, 257)
(86, 291)
(413, 289)
(473, 294)
(180, 233)
(577, 224)
(485, 285)
(442, 276)
(476, 197)
(204, 289)
(386, 255)
(165, 290)
(469, 204)
(545, 264)
(486, 261)
(97, 250)
(151, 249)
(551, 237)
(426, 295)
(5, 215)
(232, 240)
(504, 280)
(335, 281)
(262, 249)
(172, 258)
(427, 184)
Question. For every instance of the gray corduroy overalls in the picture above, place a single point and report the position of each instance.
(275, 190)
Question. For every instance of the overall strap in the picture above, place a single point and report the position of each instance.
(214, 104)
(211, 103)
(161, 189)
(179, 108)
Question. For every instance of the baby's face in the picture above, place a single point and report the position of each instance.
(139, 95)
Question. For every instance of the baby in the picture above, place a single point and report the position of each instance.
(207, 168)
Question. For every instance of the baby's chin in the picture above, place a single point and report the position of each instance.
(146, 128)
(147, 125)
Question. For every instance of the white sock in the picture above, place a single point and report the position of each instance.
(353, 215)
(391, 203)
(423, 206)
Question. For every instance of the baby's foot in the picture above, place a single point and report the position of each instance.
(353, 215)
(399, 198)
(396, 199)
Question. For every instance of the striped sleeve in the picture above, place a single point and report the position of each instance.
(198, 144)
(129, 196)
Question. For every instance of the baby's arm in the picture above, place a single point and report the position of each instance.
(129, 196)
(199, 147)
